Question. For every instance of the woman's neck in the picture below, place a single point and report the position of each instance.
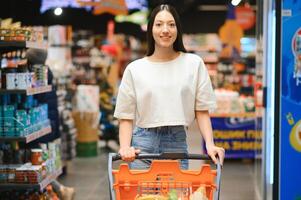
(161, 55)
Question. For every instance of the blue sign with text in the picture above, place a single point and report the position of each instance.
(290, 135)
(239, 136)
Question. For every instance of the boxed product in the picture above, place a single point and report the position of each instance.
(22, 122)
(1, 121)
(87, 98)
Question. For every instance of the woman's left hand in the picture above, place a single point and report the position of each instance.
(215, 153)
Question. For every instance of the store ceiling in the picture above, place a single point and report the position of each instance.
(194, 20)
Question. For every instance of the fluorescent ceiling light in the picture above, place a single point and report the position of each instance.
(58, 11)
(235, 2)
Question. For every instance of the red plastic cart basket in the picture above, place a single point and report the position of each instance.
(163, 176)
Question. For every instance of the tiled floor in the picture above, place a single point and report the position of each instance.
(89, 176)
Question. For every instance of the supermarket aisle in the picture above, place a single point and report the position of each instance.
(89, 176)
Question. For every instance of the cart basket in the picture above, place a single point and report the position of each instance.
(128, 181)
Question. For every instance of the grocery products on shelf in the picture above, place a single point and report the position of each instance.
(232, 102)
(24, 172)
(13, 31)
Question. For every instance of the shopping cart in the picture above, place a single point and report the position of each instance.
(164, 180)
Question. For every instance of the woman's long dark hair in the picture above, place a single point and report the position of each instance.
(178, 44)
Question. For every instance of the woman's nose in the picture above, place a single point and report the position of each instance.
(165, 28)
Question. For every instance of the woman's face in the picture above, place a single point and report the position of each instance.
(164, 29)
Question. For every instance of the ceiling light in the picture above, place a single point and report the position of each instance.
(58, 11)
(235, 2)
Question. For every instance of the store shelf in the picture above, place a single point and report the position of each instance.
(40, 186)
(23, 44)
(62, 45)
(28, 91)
(224, 115)
(29, 138)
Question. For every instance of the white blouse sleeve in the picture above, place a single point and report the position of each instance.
(205, 97)
(126, 98)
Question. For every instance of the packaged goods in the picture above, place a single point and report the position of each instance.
(199, 194)
(152, 197)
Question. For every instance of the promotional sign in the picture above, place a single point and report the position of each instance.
(290, 135)
(245, 16)
(115, 7)
(239, 136)
(88, 4)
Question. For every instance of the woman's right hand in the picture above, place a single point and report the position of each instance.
(128, 154)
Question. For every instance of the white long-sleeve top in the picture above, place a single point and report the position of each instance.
(168, 93)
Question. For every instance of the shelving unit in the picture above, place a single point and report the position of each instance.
(250, 114)
(80, 60)
(22, 44)
(31, 137)
(28, 91)
(236, 123)
(39, 186)
(33, 132)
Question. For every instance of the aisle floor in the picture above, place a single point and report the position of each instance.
(89, 176)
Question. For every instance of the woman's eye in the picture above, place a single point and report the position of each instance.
(158, 25)
(172, 25)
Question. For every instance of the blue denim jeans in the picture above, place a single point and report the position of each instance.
(159, 140)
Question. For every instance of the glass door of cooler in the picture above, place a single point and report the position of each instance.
(269, 46)
(265, 98)
(258, 98)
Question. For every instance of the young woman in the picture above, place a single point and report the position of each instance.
(162, 93)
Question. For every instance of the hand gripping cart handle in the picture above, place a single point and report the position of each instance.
(191, 176)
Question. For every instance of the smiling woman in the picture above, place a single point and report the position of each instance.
(164, 29)
(164, 93)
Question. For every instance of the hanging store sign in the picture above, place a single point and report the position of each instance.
(115, 7)
(230, 34)
(245, 16)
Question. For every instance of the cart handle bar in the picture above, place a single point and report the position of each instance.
(170, 156)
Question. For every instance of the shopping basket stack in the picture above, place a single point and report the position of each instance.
(164, 180)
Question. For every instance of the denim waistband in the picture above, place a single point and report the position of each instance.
(164, 127)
